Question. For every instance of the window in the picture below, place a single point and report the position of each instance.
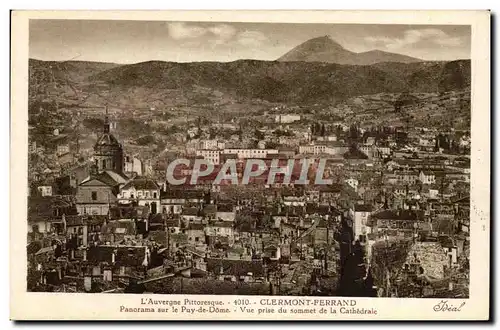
(94, 195)
(196, 239)
(155, 195)
(104, 163)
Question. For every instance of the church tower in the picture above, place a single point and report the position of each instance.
(108, 152)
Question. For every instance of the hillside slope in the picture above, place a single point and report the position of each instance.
(291, 82)
(297, 82)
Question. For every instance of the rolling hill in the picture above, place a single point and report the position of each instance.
(274, 81)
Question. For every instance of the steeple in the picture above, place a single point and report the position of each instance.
(106, 121)
(108, 152)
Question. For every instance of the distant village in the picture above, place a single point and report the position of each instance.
(394, 223)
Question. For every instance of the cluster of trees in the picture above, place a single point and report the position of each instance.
(93, 124)
(133, 127)
(145, 140)
(449, 145)
(318, 129)
(280, 132)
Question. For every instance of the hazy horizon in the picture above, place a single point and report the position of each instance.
(129, 42)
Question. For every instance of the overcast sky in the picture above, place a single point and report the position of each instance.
(138, 41)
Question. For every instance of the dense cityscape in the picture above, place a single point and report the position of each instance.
(102, 216)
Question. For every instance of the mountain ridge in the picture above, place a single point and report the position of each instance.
(325, 49)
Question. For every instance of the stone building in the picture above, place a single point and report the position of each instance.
(108, 152)
(99, 190)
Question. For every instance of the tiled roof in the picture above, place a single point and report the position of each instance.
(75, 220)
(116, 176)
(104, 177)
(181, 238)
(294, 210)
(416, 215)
(96, 219)
(124, 255)
(159, 236)
(235, 267)
(191, 211)
(196, 226)
(363, 208)
(157, 218)
(141, 183)
(225, 207)
(43, 207)
(173, 222)
(119, 227)
(182, 194)
(222, 224)
(210, 210)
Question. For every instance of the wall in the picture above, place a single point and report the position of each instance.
(45, 190)
(43, 226)
(360, 220)
(95, 209)
(226, 216)
(104, 195)
(431, 256)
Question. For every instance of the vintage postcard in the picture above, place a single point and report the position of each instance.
(250, 165)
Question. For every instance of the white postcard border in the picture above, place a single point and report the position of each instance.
(50, 306)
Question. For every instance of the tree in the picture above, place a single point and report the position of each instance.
(145, 140)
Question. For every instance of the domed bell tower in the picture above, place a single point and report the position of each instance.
(108, 152)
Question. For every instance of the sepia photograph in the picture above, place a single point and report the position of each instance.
(290, 161)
